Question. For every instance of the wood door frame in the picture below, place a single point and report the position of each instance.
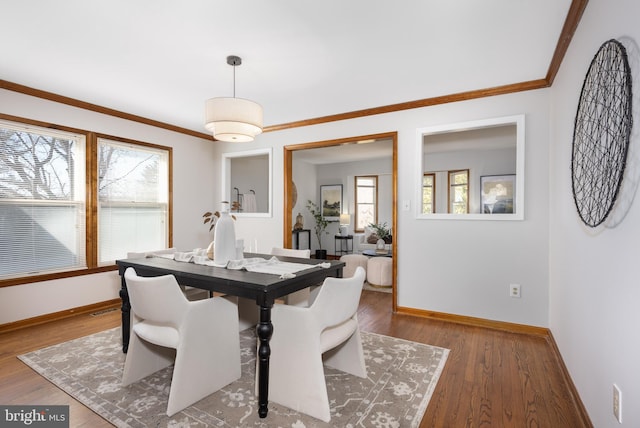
(288, 191)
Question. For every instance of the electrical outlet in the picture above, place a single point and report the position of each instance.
(514, 290)
(617, 403)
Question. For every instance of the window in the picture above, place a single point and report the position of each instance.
(459, 191)
(428, 193)
(42, 200)
(72, 203)
(366, 201)
(133, 196)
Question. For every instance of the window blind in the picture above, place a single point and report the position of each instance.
(42, 200)
(133, 196)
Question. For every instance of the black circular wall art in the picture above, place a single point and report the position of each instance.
(601, 133)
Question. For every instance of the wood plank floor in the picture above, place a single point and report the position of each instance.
(491, 379)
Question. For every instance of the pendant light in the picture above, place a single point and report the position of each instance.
(233, 119)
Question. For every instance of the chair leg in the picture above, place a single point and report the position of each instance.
(348, 357)
(206, 361)
(248, 313)
(298, 298)
(315, 289)
(144, 358)
(197, 376)
(300, 385)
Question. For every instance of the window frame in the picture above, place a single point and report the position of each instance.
(355, 198)
(450, 189)
(433, 191)
(127, 142)
(91, 200)
(66, 202)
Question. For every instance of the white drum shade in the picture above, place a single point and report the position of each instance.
(233, 119)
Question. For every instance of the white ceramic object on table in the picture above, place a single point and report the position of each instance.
(224, 238)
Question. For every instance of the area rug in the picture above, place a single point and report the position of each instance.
(401, 378)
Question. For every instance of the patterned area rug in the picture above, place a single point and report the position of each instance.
(401, 378)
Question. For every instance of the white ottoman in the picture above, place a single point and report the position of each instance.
(352, 261)
(380, 271)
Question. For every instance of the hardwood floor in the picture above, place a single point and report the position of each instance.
(492, 378)
(21, 385)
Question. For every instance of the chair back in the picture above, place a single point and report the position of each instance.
(157, 299)
(143, 254)
(338, 299)
(288, 252)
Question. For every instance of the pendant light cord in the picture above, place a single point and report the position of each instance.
(234, 80)
(234, 61)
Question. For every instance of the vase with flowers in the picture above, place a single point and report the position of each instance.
(223, 247)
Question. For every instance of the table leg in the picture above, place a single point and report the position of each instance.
(126, 315)
(264, 331)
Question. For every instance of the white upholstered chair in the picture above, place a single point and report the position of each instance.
(199, 337)
(191, 292)
(300, 297)
(303, 336)
(351, 262)
(289, 252)
(247, 309)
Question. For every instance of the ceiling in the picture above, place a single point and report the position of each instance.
(348, 152)
(161, 59)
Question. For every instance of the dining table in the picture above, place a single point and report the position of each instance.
(264, 288)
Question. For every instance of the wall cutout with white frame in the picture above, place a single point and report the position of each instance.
(491, 150)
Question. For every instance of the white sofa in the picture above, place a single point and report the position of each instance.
(360, 242)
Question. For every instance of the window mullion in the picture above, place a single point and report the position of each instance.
(92, 201)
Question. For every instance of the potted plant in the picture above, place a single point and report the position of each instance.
(382, 231)
(319, 228)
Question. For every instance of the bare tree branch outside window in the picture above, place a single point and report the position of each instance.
(34, 166)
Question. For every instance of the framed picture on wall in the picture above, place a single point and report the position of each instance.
(497, 194)
(331, 201)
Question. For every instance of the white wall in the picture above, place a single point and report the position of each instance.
(305, 176)
(453, 266)
(594, 289)
(193, 173)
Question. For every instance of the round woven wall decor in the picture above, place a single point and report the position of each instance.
(601, 133)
